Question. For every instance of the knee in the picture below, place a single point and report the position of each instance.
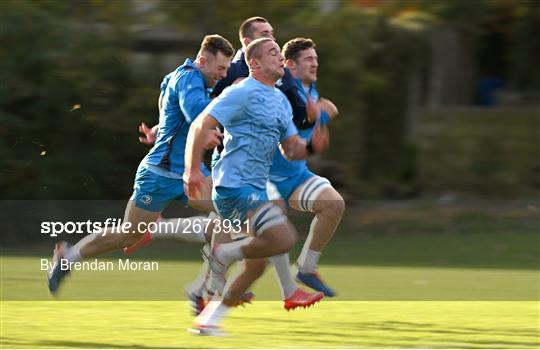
(288, 240)
(334, 208)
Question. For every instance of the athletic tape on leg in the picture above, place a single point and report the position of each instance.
(267, 216)
(311, 190)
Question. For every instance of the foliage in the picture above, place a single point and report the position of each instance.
(65, 99)
(72, 91)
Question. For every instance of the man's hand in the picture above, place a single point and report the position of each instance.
(320, 139)
(194, 180)
(313, 110)
(328, 106)
(213, 139)
(149, 137)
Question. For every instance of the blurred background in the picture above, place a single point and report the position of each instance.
(437, 141)
(437, 98)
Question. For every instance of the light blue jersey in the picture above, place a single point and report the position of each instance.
(282, 168)
(255, 117)
(184, 97)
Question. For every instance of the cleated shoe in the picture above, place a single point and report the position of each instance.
(144, 241)
(314, 281)
(301, 298)
(196, 303)
(203, 330)
(246, 298)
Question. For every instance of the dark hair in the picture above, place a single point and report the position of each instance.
(246, 28)
(253, 49)
(292, 48)
(216, 43)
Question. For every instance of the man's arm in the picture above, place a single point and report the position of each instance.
(196, 143)
(295, 147)
(328, 107)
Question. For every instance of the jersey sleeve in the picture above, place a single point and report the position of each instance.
(192, 96)
(228, 106)
(165, 82)
(298, 104)
(289, 129)
(324, 118)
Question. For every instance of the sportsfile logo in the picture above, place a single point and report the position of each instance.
(54, 228)
(111, 226)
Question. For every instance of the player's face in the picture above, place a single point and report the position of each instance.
(262, 30)
(272, 61)
(214, 68)
(305, 67)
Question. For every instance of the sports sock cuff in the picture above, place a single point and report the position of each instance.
(310, 261)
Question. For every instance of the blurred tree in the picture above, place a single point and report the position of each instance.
(65, 99)
(70, 99)
(225, 16)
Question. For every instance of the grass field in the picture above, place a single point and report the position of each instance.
(424, 281)
(266, 325)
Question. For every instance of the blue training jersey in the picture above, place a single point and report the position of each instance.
(184, 97)
(255, 117)
(281, 167)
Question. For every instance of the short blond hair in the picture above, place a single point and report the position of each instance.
(253, 50)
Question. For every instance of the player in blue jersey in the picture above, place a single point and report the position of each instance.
(256, 117)
(251, 29)
(159, 177)
(303, 190)
(306, 111)
(293, 181)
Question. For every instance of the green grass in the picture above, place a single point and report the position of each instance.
(431, 320)
(265, 325)
(424, 279)
(23, 281)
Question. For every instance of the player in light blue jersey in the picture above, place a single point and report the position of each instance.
(302, 189)
(293, 181)
(256, 117)
(159, 177)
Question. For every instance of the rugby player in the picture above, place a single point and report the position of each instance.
(251, 29)
(302, 189)
(159, 177)
(256, 117)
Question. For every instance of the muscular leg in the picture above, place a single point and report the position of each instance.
(251, 271)
(316, 195)
(100, 242)
(108, 241)
(328, 207)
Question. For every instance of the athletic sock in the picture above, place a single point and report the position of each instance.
(281, 264)
(199, 284)
(212, 313)
(227, 253)
(307, 263)
(73, 254)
